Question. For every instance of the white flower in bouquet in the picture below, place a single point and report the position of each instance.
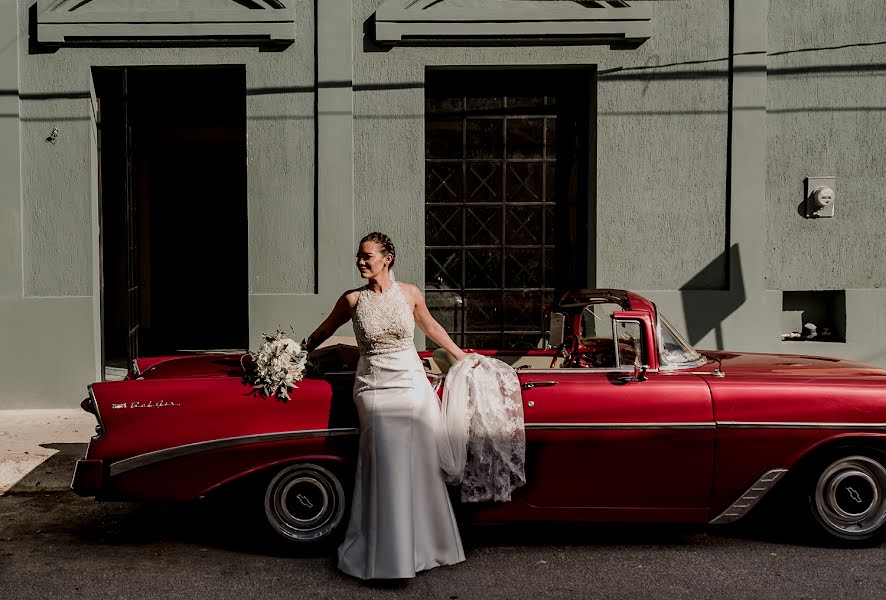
(277, 365)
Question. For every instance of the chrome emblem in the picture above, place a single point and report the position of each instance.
(148, 404)
(854, 495)
(305, 501)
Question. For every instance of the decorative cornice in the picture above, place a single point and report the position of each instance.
(491, 22)
(91, 22)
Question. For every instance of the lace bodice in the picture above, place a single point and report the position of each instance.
(383, 321)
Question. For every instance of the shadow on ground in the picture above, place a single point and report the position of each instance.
(52, 474)
(235, 522)
(236, 527)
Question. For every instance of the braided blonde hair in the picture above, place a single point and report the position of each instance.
(387, 246)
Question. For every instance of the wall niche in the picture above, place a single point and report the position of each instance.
(816, 316)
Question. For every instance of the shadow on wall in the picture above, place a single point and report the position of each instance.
(369, 44)
(705, 310)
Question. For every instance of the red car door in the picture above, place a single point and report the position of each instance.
(616, 449)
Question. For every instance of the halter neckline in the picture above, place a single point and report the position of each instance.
(383, 292)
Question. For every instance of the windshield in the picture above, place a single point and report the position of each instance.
(673, 349)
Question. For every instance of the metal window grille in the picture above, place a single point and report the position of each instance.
(493, 177)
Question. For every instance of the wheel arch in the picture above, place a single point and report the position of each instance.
(804, 463)
(337, 464)
(787, 476)
(849, 441)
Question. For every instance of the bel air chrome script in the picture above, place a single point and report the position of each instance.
(148, 404)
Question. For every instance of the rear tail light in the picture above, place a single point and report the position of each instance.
(88, 405)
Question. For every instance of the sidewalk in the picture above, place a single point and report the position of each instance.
(38, 448)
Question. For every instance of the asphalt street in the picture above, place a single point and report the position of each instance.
(57, 545)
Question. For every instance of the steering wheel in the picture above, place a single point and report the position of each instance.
(568, 349)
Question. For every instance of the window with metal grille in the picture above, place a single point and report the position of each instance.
(507, 199)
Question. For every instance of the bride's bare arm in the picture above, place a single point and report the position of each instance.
(341, 314)
(433, 330)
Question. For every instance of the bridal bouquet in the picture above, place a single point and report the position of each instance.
(277, 365)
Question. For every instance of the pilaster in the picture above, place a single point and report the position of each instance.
(335, 148)
(747, 175)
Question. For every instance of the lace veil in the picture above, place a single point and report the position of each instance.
(483, 442)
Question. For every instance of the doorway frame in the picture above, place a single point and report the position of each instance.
(98, 309)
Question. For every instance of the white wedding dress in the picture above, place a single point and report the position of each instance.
(401, 517)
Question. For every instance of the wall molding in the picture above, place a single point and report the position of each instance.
(496, 22)
(90, 22)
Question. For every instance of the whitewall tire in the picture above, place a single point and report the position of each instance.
(847, 498)
(305, 503)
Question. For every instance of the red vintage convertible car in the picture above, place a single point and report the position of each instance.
(625, 422)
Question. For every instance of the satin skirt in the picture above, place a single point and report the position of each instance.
(401, 518)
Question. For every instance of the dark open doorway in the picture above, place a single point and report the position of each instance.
(172, 148)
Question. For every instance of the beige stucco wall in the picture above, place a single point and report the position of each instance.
(652, 125)
(666, 209)
(826, 117)
(49, 281)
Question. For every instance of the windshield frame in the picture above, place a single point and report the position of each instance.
(664, 364)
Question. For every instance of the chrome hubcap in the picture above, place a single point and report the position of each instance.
(304, 502)
(849, 495)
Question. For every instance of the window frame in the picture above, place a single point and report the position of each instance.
(466, 85)
(618, 365)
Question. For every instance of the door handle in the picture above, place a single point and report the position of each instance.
(534, 384)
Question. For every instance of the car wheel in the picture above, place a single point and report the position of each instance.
(847, 499)
(305, 503)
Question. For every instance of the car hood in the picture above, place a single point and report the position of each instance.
(788, 364)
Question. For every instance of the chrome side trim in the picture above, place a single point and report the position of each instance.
(750, 498)
(100, 430)
(616, 426)
(713, 425)
(583, 370)
(150, 458)
(799, 425)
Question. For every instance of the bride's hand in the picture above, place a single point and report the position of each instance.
(463, 355)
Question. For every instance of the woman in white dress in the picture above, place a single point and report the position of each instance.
(401, 518)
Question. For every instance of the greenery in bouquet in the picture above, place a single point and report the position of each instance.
(276, 366)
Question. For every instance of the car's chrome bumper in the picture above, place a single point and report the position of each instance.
(88, 477)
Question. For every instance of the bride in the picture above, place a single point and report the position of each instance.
(401, 517)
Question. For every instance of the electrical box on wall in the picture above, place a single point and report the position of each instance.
(820, 195)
